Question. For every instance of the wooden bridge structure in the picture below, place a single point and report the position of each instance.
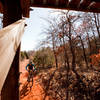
(13, 10)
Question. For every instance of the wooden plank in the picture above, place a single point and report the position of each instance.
(84, 4)
(1, 7)
(74, 3)
(95, 5)
(25, 5)
(51, 2)
(63, 3)
(12, 13)
(11, 82)
(39, 2)
(57, 4)
(10, 38)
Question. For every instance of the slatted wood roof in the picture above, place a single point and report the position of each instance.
(77, 5)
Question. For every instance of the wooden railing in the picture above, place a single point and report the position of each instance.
(10, 38)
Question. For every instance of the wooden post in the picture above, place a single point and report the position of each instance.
(12, 13)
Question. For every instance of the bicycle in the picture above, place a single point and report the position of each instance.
(30, 78)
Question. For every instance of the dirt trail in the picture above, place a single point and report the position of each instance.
(36, 93)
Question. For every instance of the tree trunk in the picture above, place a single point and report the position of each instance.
(67, 67)
(95, 42)
(89, 43)
(96, 20)
(90, 48)
(84, 54)
(55, 55)
(72, 49)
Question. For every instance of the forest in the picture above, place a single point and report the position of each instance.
(68, 59)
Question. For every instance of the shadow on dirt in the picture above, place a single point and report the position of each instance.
(25, 90)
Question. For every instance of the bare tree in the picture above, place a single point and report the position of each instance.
(97, 23)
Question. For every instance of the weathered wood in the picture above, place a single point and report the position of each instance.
(76, 5)
(12, 13)
(1, 7)
(63, 3)
(12, 93)
(25, 5)
(94, 5)
(85, 4)
(10, 38)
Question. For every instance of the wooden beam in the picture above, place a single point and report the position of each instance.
(25, 5)
(84, 4)
(94, 5)
(63, 3)
(49, 3)
(12, 13)
(1, 7)
(10, 38)
(75, 5)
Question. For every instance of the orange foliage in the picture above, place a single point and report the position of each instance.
(95, 59)
(59, 50)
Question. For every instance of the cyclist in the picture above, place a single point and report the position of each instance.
(30, 68)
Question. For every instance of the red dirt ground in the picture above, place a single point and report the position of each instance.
(36, 93)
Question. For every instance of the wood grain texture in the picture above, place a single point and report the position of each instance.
(10, 38)
(75, 5)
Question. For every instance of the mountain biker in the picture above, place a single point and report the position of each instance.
(30, 68)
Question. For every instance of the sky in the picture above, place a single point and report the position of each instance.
(36, 24)
(34, 29)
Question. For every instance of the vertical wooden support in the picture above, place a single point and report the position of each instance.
(10, 89)
(12, 13)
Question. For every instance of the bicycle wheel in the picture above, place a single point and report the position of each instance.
(30, 78)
